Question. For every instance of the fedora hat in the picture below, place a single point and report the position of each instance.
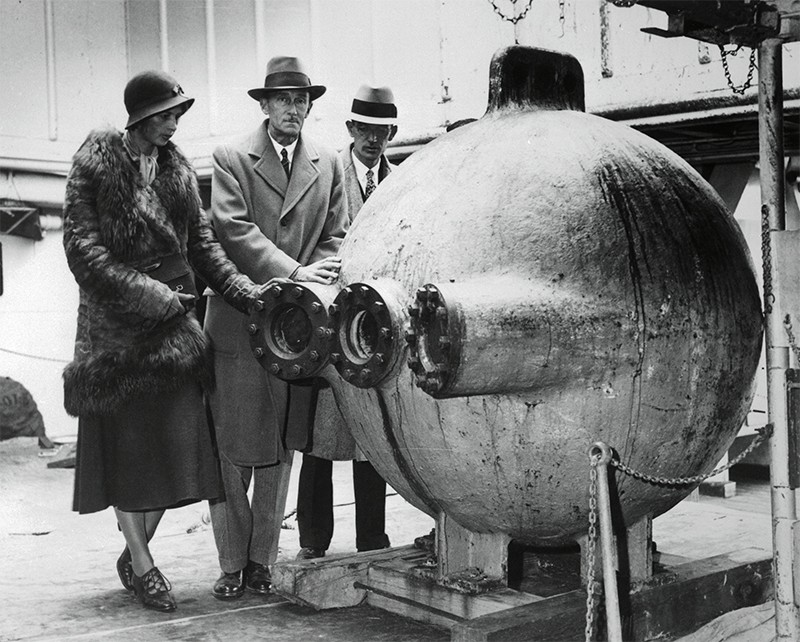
(374, 106)
(285, 72)
(151, 92)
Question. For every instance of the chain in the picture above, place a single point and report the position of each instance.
(766, 260)
(591, 546)
(561, 17)
(787, 324)
(751, 68)
(623, 3)
(763, 433)
(512, 19)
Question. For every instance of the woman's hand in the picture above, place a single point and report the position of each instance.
(325, 271)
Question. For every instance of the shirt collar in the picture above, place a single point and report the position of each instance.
(361, 170)
(289, 148)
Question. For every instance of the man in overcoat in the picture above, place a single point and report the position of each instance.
(372, 125)
(279, 209)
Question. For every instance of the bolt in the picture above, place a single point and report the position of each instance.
(313, 355)
(321, 332)
(348, 374)
(297, 370)
(258, 352)
(316, 307)
(252, 328)
(379, 358)
(378, 305)
(333, 310)
(258, 305)
(422, 294)
(365, 374)
(335, 357)
(364, 289)
(385, 332)
(276, 290)
(345, 294)
(297, 293)
(274, 368)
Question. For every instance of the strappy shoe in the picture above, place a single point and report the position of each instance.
(153, 591)
(125, 569)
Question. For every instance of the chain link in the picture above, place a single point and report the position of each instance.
(765, 432)
(787, 324)
(623, 3)
(561, 15)
(751, 68)
(766, 260)
(591, 546)
(512, 19)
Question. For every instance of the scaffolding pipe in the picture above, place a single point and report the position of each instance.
(610, 590)
(770, 135)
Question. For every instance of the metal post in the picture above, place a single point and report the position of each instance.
(613, 621)
(770, 135)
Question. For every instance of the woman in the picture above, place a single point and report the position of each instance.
(132, 220)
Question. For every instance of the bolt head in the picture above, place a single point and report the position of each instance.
(297, 293)
(274, 368)
(252, 328)
(316, 307)
(276, 291)
(297, 370)
(258, 353)
(335, 357)
(313, 355)
(385, 332)
(258, 305)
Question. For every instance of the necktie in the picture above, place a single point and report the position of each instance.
(285, 162)
(370, 184)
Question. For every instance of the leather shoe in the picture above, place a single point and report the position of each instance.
(257, 578)
(308, 553)
(125, 569)
(228, 586)
(153, 591)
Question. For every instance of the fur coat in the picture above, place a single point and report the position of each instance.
(134, 337)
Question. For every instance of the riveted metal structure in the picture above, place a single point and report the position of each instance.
(565, 280)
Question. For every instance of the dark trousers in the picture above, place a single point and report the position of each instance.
(315, 505)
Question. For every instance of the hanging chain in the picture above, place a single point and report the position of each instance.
(787, 324)
(751, 68)
(512, 19)
(766, 260)
(591, 546)
(765, 432)
(561, 15)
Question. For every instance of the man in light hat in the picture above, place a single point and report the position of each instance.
(278, 207)
(372, 125)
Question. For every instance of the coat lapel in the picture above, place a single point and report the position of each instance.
(304, 173)
(267, 164)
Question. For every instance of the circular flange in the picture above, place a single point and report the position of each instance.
(433, 340)
(362, 334)
(289, 336)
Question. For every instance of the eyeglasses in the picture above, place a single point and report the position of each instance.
(381, 132)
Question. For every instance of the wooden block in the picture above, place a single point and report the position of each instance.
(718, 488)
(460, 550)
(395, 585)
(330, 582)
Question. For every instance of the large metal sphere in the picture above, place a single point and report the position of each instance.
(648, 337)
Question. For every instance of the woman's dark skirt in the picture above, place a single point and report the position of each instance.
(154, 453)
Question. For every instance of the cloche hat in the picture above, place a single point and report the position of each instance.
(374, 106)
(286, 72)
(151, 92)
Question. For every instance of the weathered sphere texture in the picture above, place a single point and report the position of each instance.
(660, 368)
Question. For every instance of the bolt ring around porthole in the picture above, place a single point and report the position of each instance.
(290, 336)
(363, 335)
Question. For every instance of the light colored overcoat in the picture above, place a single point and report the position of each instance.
(268, 225)
(331, 437)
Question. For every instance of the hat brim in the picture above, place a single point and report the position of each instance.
(373, 120)
(314, 91)
(156, 108)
